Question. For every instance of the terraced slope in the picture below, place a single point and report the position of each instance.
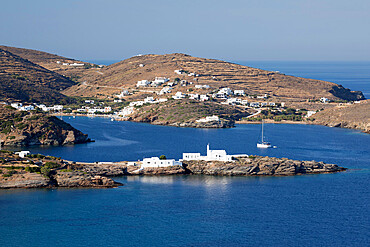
(213, 72)
(22, 80)
(51, 61)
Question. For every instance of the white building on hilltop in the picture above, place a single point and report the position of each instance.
(212, 155)
(156, 162)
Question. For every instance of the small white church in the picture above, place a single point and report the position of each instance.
(212, 155)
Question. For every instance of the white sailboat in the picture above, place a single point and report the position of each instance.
(263, 144)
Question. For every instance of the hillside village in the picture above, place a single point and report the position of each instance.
(172, 89)
(164, 89)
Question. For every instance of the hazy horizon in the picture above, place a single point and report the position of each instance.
(236, 30)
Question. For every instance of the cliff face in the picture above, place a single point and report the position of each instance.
(355, 116)
(35, 128)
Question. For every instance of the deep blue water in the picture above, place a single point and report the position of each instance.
(353, 75)
(311, 210)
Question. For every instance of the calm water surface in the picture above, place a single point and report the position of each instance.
(353, 75)
(312, 210)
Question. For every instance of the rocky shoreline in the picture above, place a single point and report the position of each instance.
(15, 173)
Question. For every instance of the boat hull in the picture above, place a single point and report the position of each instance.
(263, 145)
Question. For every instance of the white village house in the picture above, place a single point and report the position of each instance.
(156, 162)
(23, 154)
(143, 83)
(160, 80)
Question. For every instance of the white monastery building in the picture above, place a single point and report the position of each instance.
(212, 155)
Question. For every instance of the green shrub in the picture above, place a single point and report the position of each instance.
(51, 165)
(32, 169)
(45, 171)
(163, 157)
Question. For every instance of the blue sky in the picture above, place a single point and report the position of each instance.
(329, 30)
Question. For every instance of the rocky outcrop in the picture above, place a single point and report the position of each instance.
(345, 93)
(81, 179)
(24, 180)
(171, 170)
(109, 170)
(36, 128)
(38, 171)
(259, 166)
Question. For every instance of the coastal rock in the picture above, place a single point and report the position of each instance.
(80, 179)
(170, 170)
(29, 180)
(259, 166)
(109, 170)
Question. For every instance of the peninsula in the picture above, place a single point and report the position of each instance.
(22, 170)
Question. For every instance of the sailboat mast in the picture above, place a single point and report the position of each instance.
(262, 130)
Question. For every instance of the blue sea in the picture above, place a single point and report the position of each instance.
(352, 75)
(307, 210)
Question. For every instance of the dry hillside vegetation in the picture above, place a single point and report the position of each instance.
(185, 112)
(23, 80)
(49, 61)
(213, 72)
(356, 116)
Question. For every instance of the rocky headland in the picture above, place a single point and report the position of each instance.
(251, 166)
(21, 128)
(39, 171)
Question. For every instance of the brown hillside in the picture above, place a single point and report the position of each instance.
(355, 116)
(213, 72)
(20, 79)
(49, 61)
